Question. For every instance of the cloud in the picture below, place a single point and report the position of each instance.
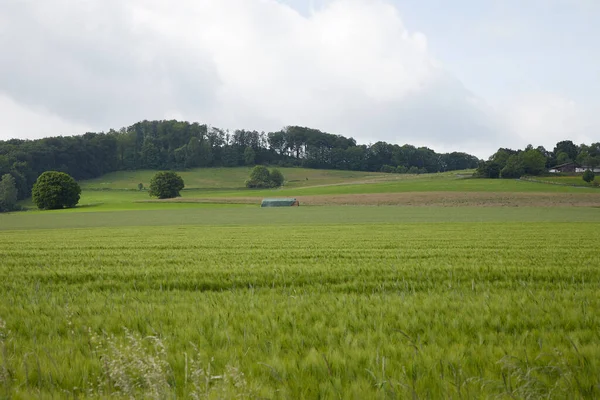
(547, 118)
(347, 66)
(23, 122)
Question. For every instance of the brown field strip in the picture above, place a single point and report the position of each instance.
(437, 199)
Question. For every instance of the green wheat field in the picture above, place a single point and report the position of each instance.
(118, 299)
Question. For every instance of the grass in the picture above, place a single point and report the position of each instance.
(120, 298)
(229, 182)
(232, 178)
(380, 310)
(223, 215)
(575, 180)
(115, 191)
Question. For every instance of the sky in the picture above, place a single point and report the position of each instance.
(462, 75)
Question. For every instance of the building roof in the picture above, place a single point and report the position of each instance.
(566, 165)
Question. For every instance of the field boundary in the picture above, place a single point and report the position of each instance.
(418, 199)
(527, 179)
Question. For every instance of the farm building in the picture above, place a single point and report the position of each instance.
(280, 203)
(572, 168)
(584, 168)
(565, 168)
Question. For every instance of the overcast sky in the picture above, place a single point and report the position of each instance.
(467, 75)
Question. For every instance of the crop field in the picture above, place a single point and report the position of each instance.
(487, 289)
(301, 303)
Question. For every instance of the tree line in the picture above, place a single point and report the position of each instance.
(177, 145)
(508, 163)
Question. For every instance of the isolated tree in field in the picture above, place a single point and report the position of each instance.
(260, 177)
(277, 177)
(588, 176)
(8, 193)
(55, 190)
(166, 185)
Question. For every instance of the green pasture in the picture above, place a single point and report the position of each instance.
(229, 182)
(576, 180)
(239, 306)
(422, 183)
(234, 178)
(116, 191)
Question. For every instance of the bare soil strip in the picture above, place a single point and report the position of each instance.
(415, 199)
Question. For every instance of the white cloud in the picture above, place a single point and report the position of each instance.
(348, 67)
(547, 118)
(31, 123)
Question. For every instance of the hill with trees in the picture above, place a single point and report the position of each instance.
(177, 145)
(180, 145)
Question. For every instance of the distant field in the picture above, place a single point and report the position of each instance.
(334, 187)
(576, 180)
(234, 178)
(226, 215)
(225, 182)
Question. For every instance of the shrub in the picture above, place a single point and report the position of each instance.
(55, 190)
(488, 169)
(166, 185)
(588, 176)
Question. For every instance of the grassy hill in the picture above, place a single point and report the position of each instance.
(234, 178)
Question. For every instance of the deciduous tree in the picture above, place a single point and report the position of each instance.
(166, 185)
(54, 190)
(8, 193)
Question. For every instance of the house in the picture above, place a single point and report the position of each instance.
(572, 168)
(584, 168)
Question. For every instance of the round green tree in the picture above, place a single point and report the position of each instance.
(166, 185)
(588, 176)
(55, 190)
(260, 177)
(277, 178)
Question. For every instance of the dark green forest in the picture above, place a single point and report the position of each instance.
(177, 145)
